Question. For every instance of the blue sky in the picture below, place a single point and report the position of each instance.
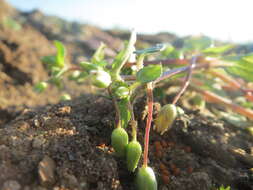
(229, 20)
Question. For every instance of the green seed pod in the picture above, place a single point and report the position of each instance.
(121, 92)
(145, 179)
(119, 139)
(165, 118)
(100, 79)
(134, 151)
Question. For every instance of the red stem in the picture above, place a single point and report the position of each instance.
(187, 80)
(148, 123)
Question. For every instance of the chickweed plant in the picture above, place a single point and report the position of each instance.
(212, 72)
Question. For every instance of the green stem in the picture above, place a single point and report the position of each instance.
(133, 121)
(116, 106)
(187, 79)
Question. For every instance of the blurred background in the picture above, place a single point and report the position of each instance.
(224, 20)
(29, 27)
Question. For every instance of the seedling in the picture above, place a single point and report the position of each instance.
(197, 59)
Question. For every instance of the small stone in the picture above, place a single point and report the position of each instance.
(46, 171)
(64, 110)
(11, 185)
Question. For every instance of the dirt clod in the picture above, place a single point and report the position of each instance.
(46, 171)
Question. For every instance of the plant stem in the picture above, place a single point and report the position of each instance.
(116, 106)
(187, 79)
(133, 121)
(148, 122)
(233, 83)
(211, 97)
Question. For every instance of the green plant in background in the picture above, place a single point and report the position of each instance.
(205, 69)
(224, 188)
(10, 23)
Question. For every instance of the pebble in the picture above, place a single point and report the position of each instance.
(46, 171)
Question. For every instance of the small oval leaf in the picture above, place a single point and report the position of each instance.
(149, 73)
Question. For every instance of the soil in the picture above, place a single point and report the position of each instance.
(67, 146)
(50, 145)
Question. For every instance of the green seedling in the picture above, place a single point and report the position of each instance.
(145, 179)
(125, 82)
(134, 151)
(119, 140)
(165, 118)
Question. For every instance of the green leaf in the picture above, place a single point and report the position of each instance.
(242, 66)
(154, 49)
(122, 57)
(40, 87)
(89, 66)
(98, 56)
(224, 188)
(167, 51)
(60, 54)
(217, 50)
(124, 112)
(248, 58)
(241, 72)
(49, 60)
(197, 43)
(149, 73)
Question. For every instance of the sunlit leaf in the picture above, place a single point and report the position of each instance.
(217, 50)
(241, 72)
(248, 58)
(154, 49)
(123, 56)
(242, 66)
(87, 66)
(197, 43)
(149, 73)
(60, 54)
(167, 51)
(98, 56)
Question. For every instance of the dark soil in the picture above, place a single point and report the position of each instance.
(67, 146)
(46, 144)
